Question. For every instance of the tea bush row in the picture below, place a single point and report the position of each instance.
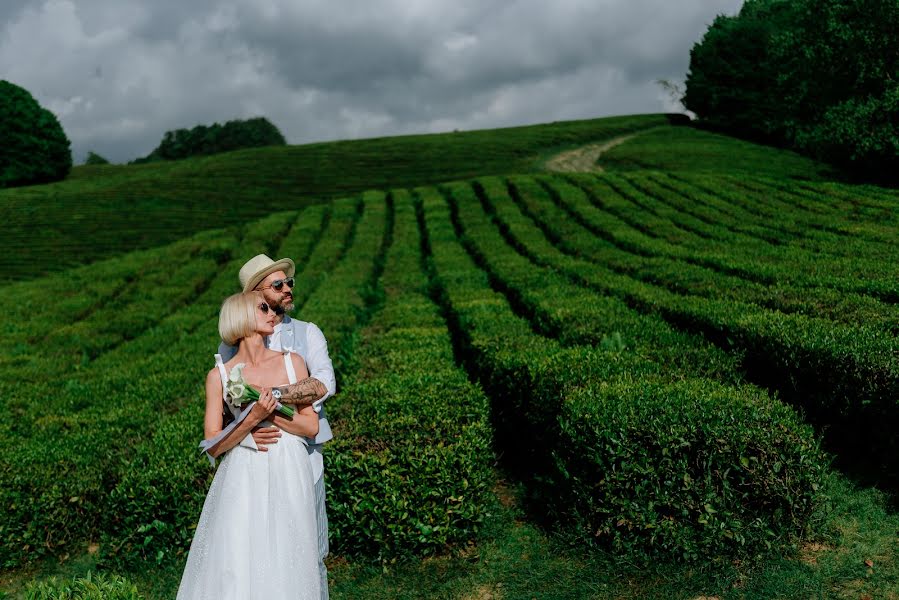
(842, 375)
(716, 479)
(658, 236)
(563, 310)
(717, 213)
(775, 263)
(564, 214)
(825, 217)
(409, 471)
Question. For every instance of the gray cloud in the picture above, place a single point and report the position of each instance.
(120, 73)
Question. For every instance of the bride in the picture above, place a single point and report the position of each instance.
(257, 536)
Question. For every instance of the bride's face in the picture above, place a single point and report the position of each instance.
(265, 316)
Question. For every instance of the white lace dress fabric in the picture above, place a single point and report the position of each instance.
(257, 536)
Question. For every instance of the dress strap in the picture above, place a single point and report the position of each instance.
(221, 365)
(288, 364)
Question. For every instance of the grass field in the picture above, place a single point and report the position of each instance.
(677, 379)
(670, 148)
(101, 211)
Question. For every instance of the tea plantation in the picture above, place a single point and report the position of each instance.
(670, 380)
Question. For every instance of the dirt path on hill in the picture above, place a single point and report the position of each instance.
(584, 158)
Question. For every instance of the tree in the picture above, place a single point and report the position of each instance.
(203, 140)
(35, 148)
(821, 76)
(95, 159)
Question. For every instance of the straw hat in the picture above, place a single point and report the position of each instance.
(261, 266)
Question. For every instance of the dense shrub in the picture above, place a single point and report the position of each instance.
(203, 140)
(622, 450)
(844, 374)
(35, 149)
(410, 469)
(90, 587)
(691, 467)
(820, 76)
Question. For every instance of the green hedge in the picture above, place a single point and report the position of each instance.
(844, 376)
(565, 215)
(410, 468)
(648, 234)
(562, 310)
(543, 398)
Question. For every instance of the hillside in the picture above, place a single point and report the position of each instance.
(100, 211)
(676, 379)
(696, 150)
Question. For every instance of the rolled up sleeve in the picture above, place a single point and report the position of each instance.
(319, 363)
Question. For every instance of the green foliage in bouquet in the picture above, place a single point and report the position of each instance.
(35, 148)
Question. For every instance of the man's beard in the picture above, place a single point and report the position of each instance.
(282, 309)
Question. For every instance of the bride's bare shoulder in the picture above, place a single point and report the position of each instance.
(213, 376)
(299, 364)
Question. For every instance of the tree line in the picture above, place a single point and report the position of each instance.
(35, 148)
(212, 139)
(819, 76)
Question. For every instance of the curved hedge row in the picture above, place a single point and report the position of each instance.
(559, 309)
(410, 468)
(845, 376)
(618, 206)
(547, 418)
(566, 216)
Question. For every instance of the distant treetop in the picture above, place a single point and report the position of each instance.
(204, 140)
(34, 147)
(95, 159)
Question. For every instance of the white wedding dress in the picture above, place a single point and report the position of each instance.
(257, 535)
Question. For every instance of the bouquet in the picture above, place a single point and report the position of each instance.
(240, 392)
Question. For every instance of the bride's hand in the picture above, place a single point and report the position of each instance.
(264, 407)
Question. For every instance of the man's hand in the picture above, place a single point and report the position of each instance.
(264, 436)
(302, 393)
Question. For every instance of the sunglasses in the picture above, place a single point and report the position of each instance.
(264, 307)
(277, 284)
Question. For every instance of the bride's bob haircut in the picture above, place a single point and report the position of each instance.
(237, 318)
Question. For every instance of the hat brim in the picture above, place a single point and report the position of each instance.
(284, 264)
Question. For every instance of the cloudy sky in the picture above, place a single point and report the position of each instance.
(119, 73)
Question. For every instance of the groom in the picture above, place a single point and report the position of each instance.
(275, 280)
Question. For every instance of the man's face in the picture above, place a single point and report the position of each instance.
(281, 301)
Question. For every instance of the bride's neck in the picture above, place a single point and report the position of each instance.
(251, 350)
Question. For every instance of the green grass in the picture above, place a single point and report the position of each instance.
(104, 210)
(685, 148)
(515, 559)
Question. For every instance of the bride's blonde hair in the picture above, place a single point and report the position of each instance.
(237, 318)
